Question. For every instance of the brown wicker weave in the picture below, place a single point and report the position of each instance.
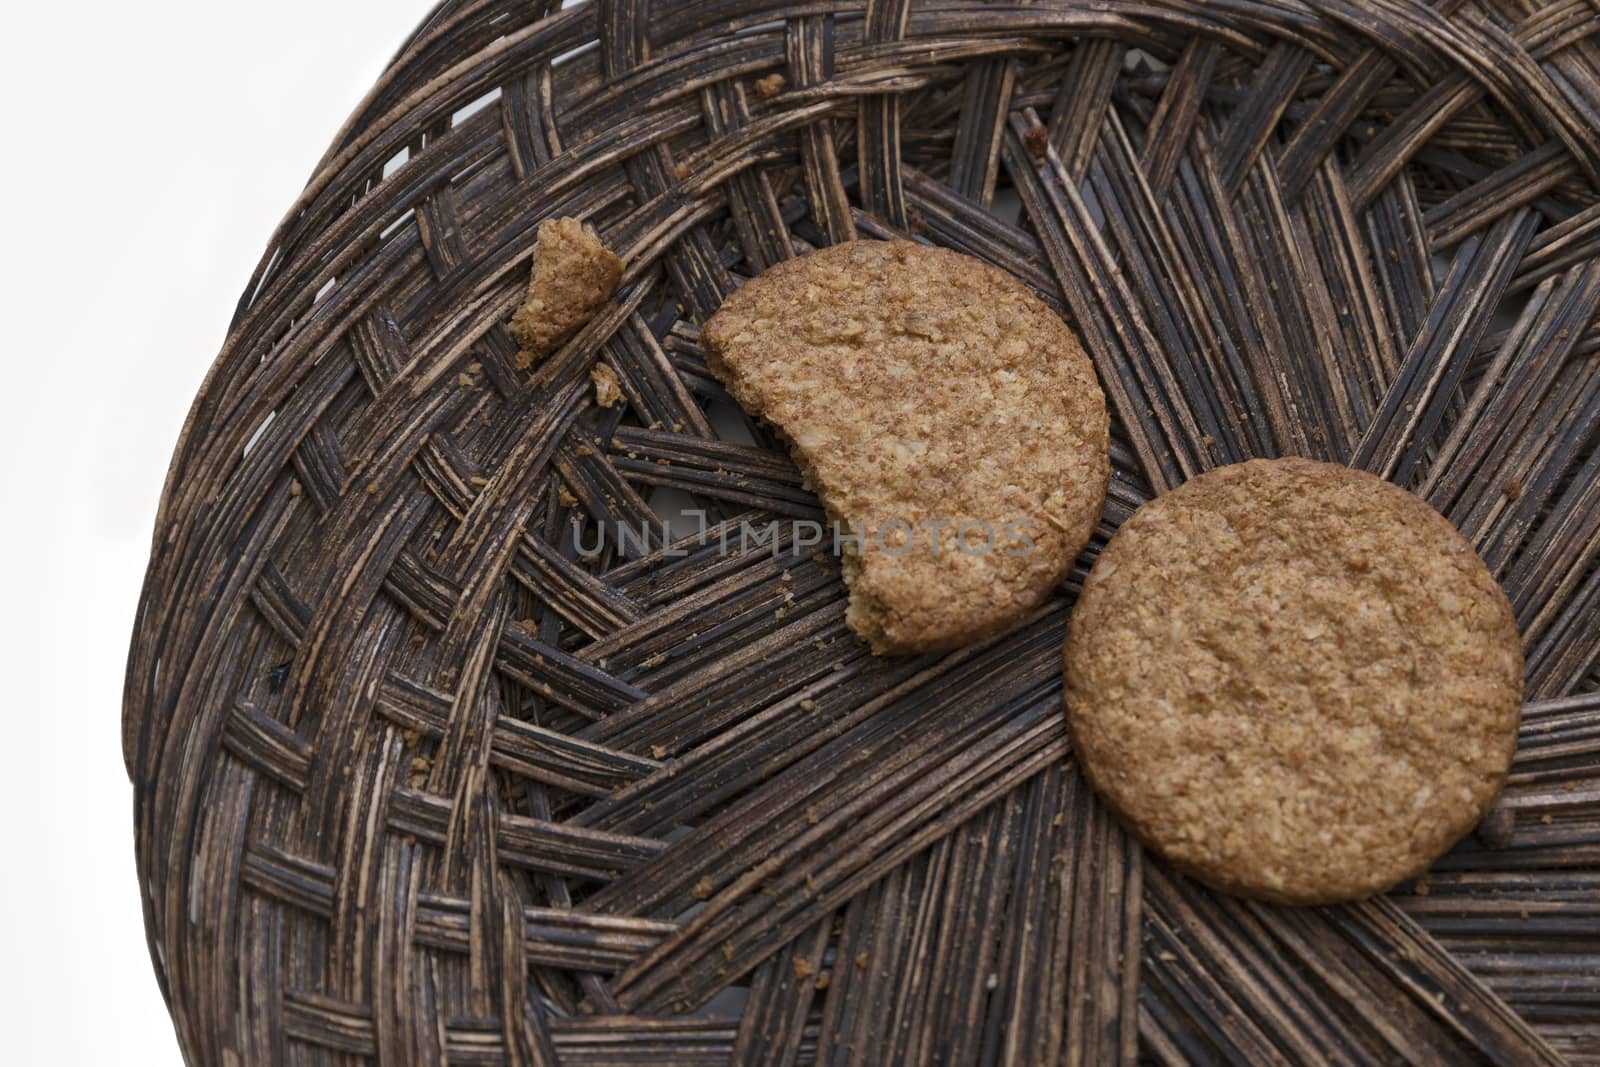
(418, 781)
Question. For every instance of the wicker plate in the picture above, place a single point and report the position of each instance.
(419, 780)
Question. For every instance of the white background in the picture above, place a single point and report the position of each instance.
(149, 148)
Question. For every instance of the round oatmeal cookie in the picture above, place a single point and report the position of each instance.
(946, 417)
(1294, 680)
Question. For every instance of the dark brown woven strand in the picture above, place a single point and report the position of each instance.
(416, 781)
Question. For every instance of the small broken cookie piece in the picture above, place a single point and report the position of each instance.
(574, 274)
(1295, 681)
(949, 420)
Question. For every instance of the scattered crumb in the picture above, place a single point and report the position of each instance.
(607, 386)
(420, 767)
(659, 751)
(812, 816)
(1037, 141)
(1421, 888)
(1512, 489)
(803, 968)
(680, 170)
(808, 705)
(822, 980)
(702, 888)
(861, 960)
(770, 86)
(566, 497)
(727, 951)
(573, 275)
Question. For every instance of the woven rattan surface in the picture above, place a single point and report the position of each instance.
(422, 778)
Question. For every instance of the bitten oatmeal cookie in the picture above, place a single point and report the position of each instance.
(1294, 680)
(574, 274)
(942, 412)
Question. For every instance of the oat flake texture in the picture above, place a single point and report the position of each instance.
(918, 385)
(1294, 680)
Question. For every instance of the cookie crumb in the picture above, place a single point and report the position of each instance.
(607, 386)
(771, 86)
(702, 888)
(1037, 141)
(573, 275)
